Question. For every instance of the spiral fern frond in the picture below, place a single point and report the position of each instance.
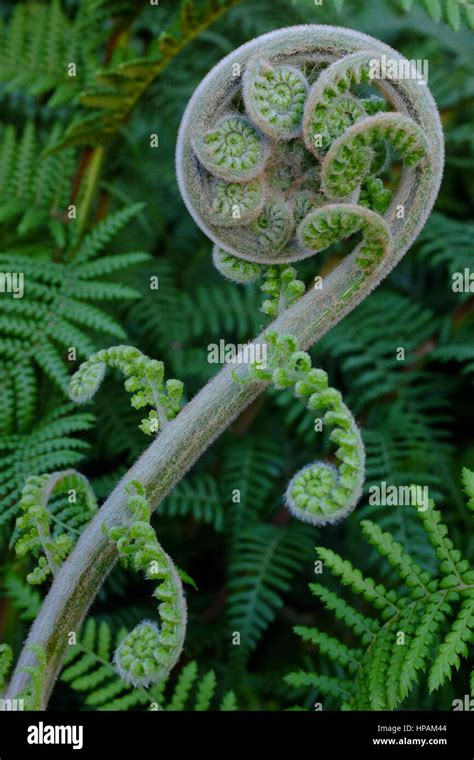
(331, 107)
(148, 653)
(233, 268)
(275, 98)
(350, 158)
(328, 224)
(308, 145)
(233, 150)
(235, 203)
(319, 493)
(144, 380)
(34, 526)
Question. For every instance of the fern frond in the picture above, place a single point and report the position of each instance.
(144, 380)
(34, 190)
(33, 530)
(200, 498)
(148, 653)
(116, 90)
(50, 446)
(23, 598)
(402, 645)
(56, 315)
(454, 645)
(266, 559)
(89, 671)
(197, 693)
(46, 42)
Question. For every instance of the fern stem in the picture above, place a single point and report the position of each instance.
(167, 460)
(212, 410)
(90, 185)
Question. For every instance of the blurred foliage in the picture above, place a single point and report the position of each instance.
(416, 416)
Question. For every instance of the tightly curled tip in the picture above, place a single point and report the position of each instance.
(233, 150)
(236, 203)
(333, 222)
(136, 658)
(315, 496)
(350, 158)
(274, 98)
(237, 270)
(85, 383)
(149, 652)
(294, 134)
(274, 226)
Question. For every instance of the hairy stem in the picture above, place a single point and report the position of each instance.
(186, 437)
(168, 459)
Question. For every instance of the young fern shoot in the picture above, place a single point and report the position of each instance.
(34, 527)
(148, 653)
(144, 379)
(319, 493)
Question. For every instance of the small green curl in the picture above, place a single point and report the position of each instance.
(319, 493)
(144, 379)
(34, 528)
(148, 653)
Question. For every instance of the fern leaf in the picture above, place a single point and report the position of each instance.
(199, 498)
(375, 593)
(454, 646)
(335, 687)
(467, 479)
(89, 670)
(205, 692)
(183, 686)
(265, 561)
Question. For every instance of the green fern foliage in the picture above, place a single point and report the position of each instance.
(197, 693)
(23, 598)
(116, 89)
(266, 560)
(199, 498)
(52, 311)
(34, 190)
(89, 670)
(34, 533)
(47, 42)
(423, 628)
(51, 446)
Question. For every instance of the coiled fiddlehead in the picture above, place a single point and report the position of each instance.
(331, 107)
(35, 527)
(329, 143)
(144, 379)
(319, 493)
(331, 223)
(233, 149)
(236, 203)
(350, 158)
(149, 652)
(293, 112)
(274, 98)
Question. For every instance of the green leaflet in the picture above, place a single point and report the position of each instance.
(423, 630)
